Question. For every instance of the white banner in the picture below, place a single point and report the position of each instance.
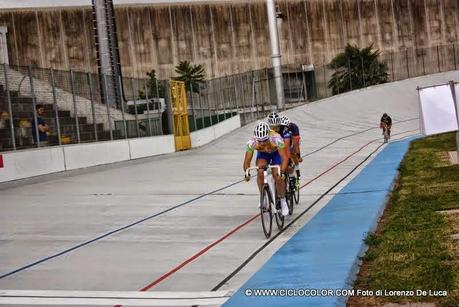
(438, 111)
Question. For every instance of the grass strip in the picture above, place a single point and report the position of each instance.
(412, 248)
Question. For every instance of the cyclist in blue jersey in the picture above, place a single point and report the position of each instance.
(293, 132)
(271, 150)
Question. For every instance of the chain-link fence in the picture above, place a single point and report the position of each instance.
(81, 107)
(409, 63)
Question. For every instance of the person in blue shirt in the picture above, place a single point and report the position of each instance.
(42, 127)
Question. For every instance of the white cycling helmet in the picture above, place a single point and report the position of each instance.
(261, 131)
(284, 121)
(273, 119)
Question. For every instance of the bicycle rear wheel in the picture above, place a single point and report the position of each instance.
(386, 136)
(289, 191)
(265, 212)
(296, 191)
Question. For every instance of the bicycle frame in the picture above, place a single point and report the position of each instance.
(268, 179)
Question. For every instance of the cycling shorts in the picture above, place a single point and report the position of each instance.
(272, 158)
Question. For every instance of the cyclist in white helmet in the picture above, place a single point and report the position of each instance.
(273, 120)
(270, 150)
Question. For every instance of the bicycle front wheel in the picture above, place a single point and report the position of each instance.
(265, 212)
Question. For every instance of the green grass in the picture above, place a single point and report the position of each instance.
(412, 249)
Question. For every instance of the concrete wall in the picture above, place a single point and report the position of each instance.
(227, 37)
(207, 135)
(47, 160)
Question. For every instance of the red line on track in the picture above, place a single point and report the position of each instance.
(202, 251)
(336, 164)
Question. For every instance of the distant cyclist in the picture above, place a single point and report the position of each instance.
(270, 150)
(290, 129)
(386, 124)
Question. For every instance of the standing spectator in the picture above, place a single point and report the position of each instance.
(43, 128)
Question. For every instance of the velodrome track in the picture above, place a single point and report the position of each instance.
(186, 221)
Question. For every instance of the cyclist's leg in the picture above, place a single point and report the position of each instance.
(261, 162)
(280, 185)
(262, 159)
(297, 165)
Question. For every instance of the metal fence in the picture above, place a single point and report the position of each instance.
(79, 108)
(409, 63)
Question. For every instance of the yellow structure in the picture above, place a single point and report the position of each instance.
(180, 114)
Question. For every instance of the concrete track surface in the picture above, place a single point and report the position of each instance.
(186, 221)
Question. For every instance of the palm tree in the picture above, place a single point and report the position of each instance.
(155, 87)
(191, 74)
(356, 68)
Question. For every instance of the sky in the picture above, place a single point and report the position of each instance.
(11, 4)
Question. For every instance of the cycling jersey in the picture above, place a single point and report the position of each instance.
(387, 120)
(272, 144)
(285, 133)
(294, 130)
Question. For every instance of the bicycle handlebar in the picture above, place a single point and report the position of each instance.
(247, 171)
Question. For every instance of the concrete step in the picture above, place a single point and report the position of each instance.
(71, 129)
(14, 100)
(5, 133)
(51, 114)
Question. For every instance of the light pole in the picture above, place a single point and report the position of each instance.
(108, 61)
(276, 55)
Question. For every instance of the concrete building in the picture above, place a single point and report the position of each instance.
(226, 36)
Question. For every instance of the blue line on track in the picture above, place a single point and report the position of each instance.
(111, 232)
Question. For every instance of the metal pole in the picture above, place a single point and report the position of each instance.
(92, 106)
(276, 54)
(159, 108)
(209, 101)
(135, 109)
(192, 107)
(325, 80)
(438, 58)
(122, 111)
(304, 89)
(406, 61)
(423, 63)
(203, 118)
(454, 56)
(363, 72)
(288, 85)
(236, 98)
(170, 109)
(34, 102)
(110, 126)
(217, 101)
(10, 109)
(226, 98)
(456, 104)
(148, 107)
(298, 88)
(56, 110)
(253, 97)
(222, 94)
(75, 111)
(349, 72)
(392, 64)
